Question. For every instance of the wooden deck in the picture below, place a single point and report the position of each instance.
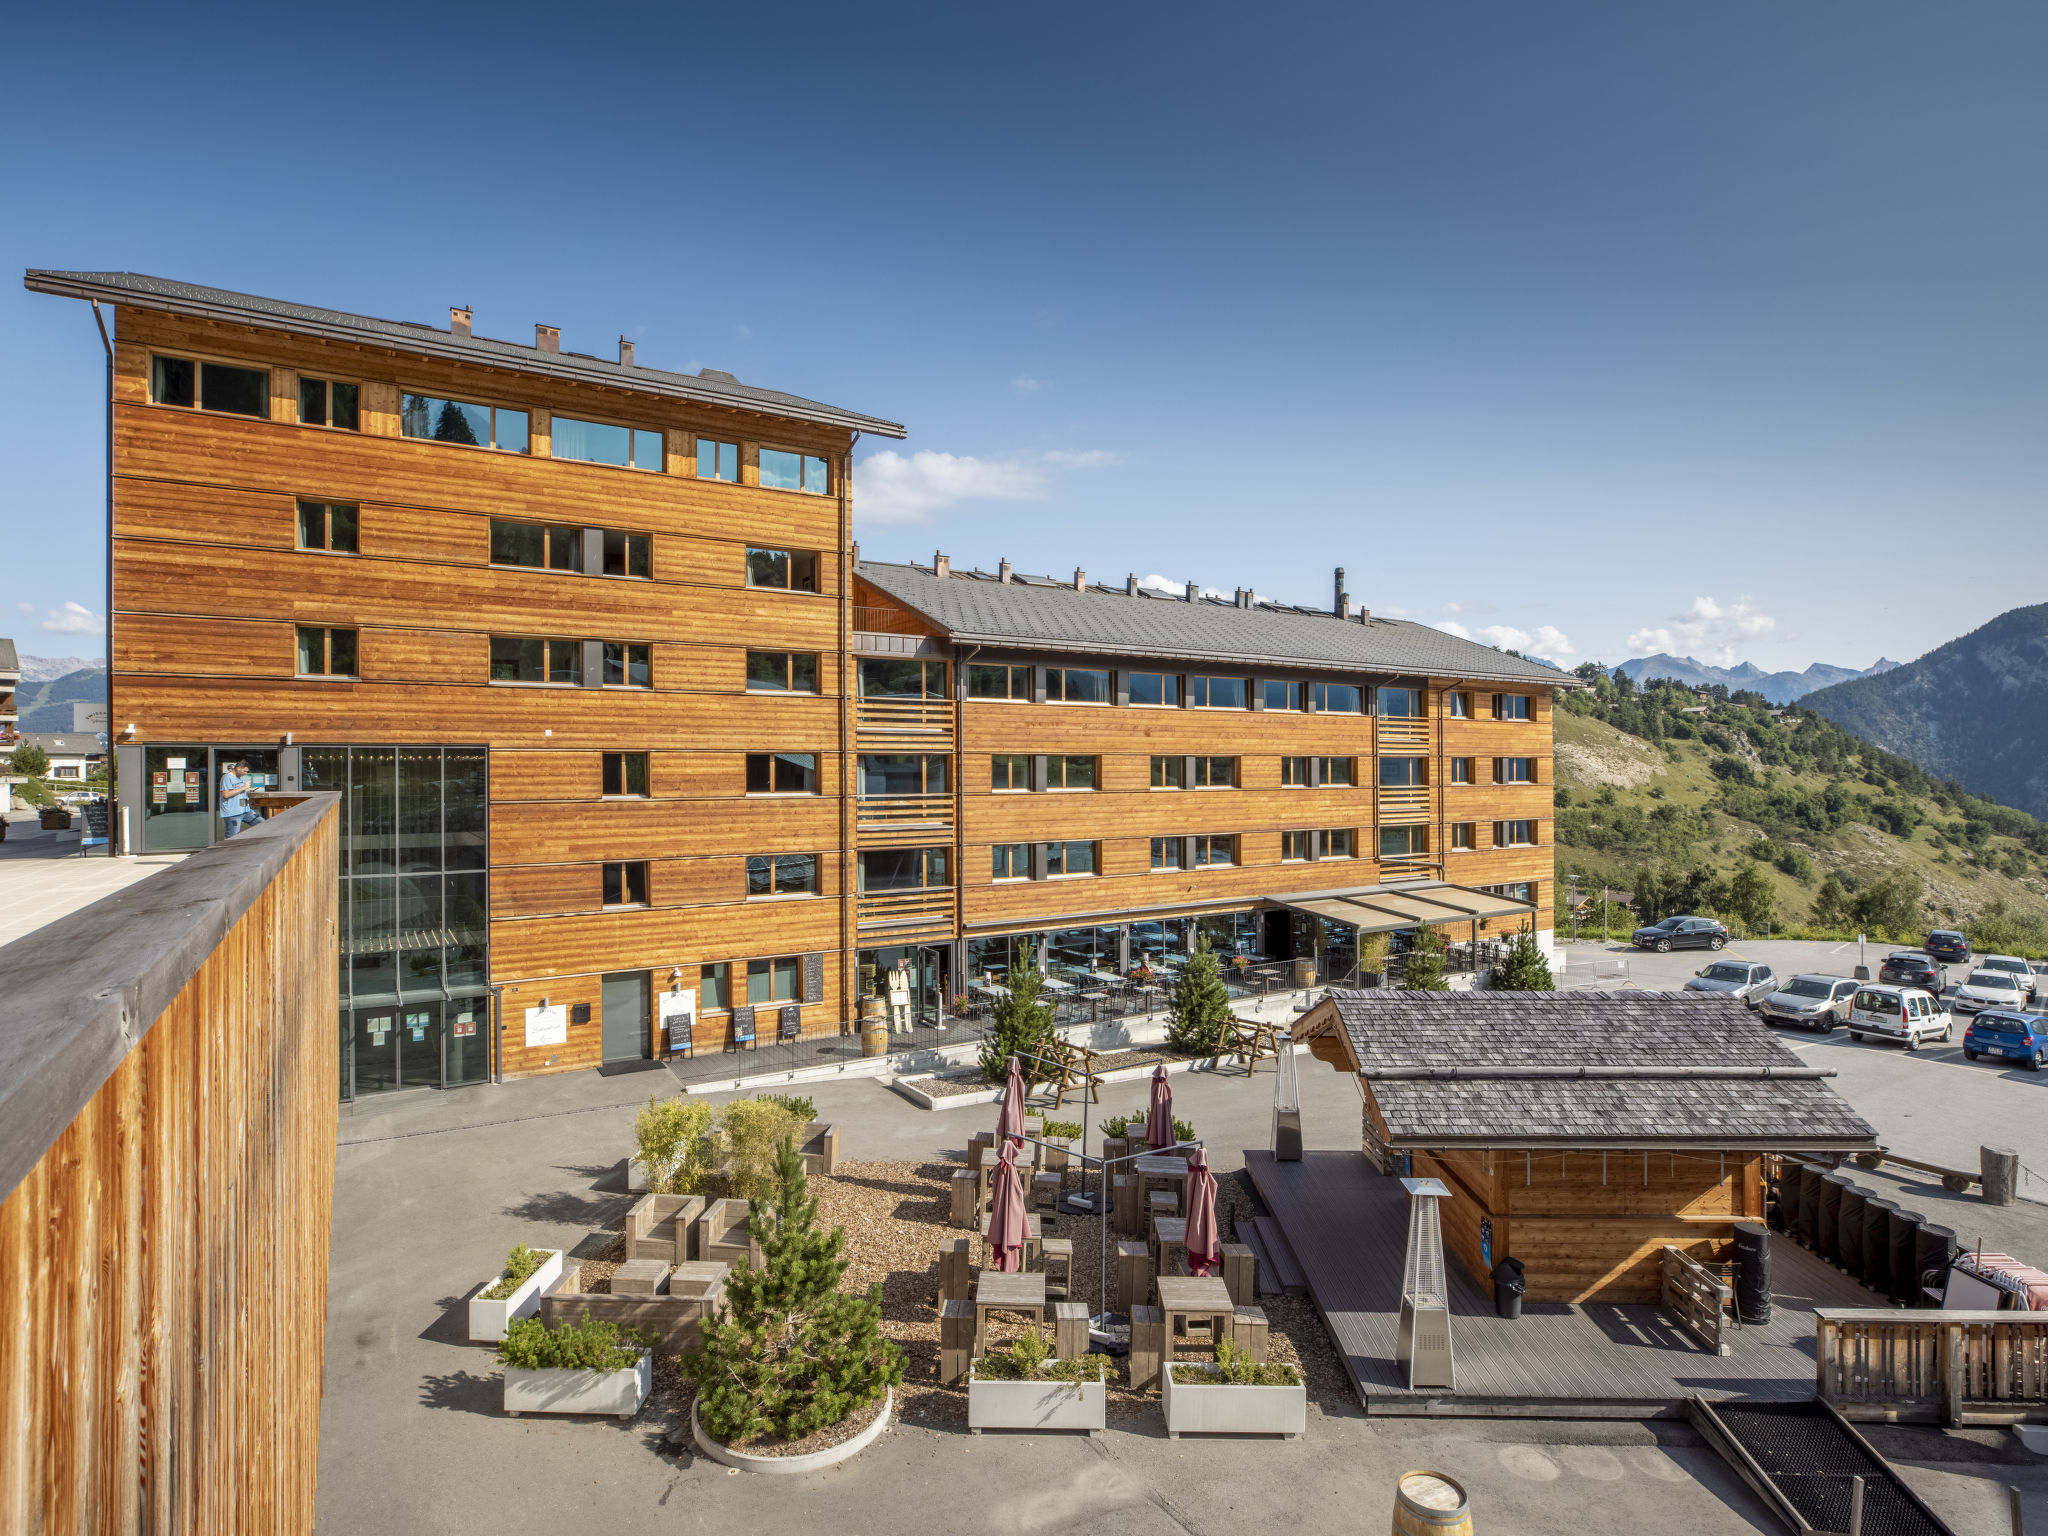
(1348, 1226)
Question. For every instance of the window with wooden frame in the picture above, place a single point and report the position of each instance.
(1336, 772)
(1296, 773)
(1464, 836)
(1215, 850)
(1070, 772)
(1294, 847)
(1514, 770)
(625, 883)
(903, 869)
(1404, 772)
(782, 874)
(328, 525)
(1514, 890)
(1079, 685)
(999, 682)
(1337, 698)
(782, 570)
(628, 664)
(1458, 706)
(1277, 694)
(1169, 772)
(1215, 773)
(525, 659)
(774, 981)
(1154, 688)
(1514, 834)
(1335, 843)
(718, 461)
(464, 423)
(1461, 770)
(1403, 842)
(714, 987)
(199, 384)
(602, 442)
(782, 672)
(902, 679)
(790, 773)
(1512, 706)
(625, 775)
(1217, 693)
(1166, 852)
(331, 403)
(782, 470)
(1401, 704)
(326, 652)
(1009, 771)
(1010, 861)
(1070, 860)
(628, 554)
(539, 546)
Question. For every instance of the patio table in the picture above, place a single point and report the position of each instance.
(1190, 1298)
(1162, 1172)
(1031, 1240)
(1054, 984)
(1008, 1293)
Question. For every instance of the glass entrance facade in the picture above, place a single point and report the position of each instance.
(415, 1001)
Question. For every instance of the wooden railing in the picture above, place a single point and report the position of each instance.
(903, 717)
(1696, 1299)
(1399, 799)
(887, 621)
(889, 810)
(1403, 733)
(899, 907)
(1944, 1367)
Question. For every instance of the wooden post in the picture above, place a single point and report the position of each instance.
(984, 1141)
(1250, 1331)
(1856, 1506)
(956, 1270)
(1148, 1346)
(1133, 1275)
(1069, 1329)
(1130, 1210)
(1241, 1274)
(956, 1340)
(966, 1199)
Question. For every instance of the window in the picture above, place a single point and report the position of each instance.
(1403, 842)
(987, 682)
(789, 773)
(1337, 698)
(1514, 834)
(625, 884)
(718, 461)
(1216, 693)
(1524, 890)
(1295, 772)
(886, 774)
(326, 652)
(1155, 688)
(1334, 844)
(1459, 705)
(627, 554)
(625, 773)
(1009, 770)
(1281, 695)
(1514, 770)
(210, 386)
(455, 421)
(782, 874)
(1063, 860)
(1010, 861)
(1403, 772)
(902, 869)
(1215, 851)
(714, 987)
(1336, 772)
(598, 442)
(784, 471)
(532, 544)
(1461, 770)
(1077, 685)
(1070, 773)
(1462, 836)
(782, 672)
(1168, 772)
(325, 403)
(1166, 853)
(627, 665)
(1294, 847)
(1400, 704)
(773, 981)
(782, 569)
(519, 660)
(329, 525)
(1511, 706)
(1215, 773)
(903, 679)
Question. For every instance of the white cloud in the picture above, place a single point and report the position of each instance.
(26, 607)
(1452, 627)
(1172, 588)
(1545, 640)
(892, 488)
(1026, 386)
(1708, 631)
(74, 619)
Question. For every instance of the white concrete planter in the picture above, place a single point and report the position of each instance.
(488, 1320)
(1036, 1405)
(1211, 1409)
(792, 1464)
(619, 1393)
(636, 1175)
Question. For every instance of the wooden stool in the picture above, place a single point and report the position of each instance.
(956, 1270)
(1045, 1190)
(1058, 1259)
(1161, 1202)
(1069, 1329)
(1130, 1210)
(640, 1277)
(983, 1143)
(1241, 1273)
(1133, 1275)
(1148, 1347)
(1249, 1331)
(956, 1340)
(966, 1210)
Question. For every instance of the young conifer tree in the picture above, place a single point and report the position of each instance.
(1426, 963)
(1199, 1011)
(1021, 1026)
(1524, 969)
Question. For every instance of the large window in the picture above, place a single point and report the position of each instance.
(1518, 890)
(791, 773)
(1337, 698)
(1216, 693)
(1404, 772)
(1010, 861)
(884, 774)
(458, 421)
(902, 869)
(517, 659)
(327, 652)
(1215, 773)
(1166, 852)
(625, 883)
(902, 679)
(598, 442)
(714, 987)
(782, 569)
(1065, 860)
(1514, 834)
(628, 554)
(774, 981)
(1169, 772)
(1336, 772)
(1336, 843)
(998, 682)
(627, 665)
(1514, 770)
(1400, 704)
(782, 672)
(625, 773)
(1070, 772)
(1511, 706)
(1403, 842)
(329, 403)
(785, 471)
(1161, 688)
(204, 386)
(546, 546)
(1078, 685)
(1009, 771)
(329, 525)
(782, 874)
(717, 461)
(1281, 695)
(1215, 850)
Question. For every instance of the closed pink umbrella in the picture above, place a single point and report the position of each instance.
(1007, 1228)
(1205, 1246)
(1159, 1118)
(1010, 1123)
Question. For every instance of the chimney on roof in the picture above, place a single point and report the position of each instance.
(1080, 579)
(1003, 573)
(856, 554)
(1342, 603)
(1365, 615)
(942, 565)
(1191, 592)
(547, 338)
(1131, 585)
(458, 321)
(625, 353)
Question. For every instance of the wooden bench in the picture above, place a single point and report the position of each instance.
(722, 1235)
(819, 1144)
(658, 1227)
(695, 1291)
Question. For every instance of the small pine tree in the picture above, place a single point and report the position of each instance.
(1524, 970)
(1021, 1026)
(790, 1353)
(1199, 1011)
(1426, 963)
(30, 759)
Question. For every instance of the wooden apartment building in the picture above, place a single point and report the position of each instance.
(625, 732)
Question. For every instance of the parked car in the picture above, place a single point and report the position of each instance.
(1992, 989)
(2021, 1037)
(1911, 968)
(1898, 1013)
(1680, 933)
(2029, 982)
(1743, 978)
(1948, 946)
(1811, 1002)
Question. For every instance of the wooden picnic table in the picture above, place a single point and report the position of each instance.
(1253, 1039)
(995, 1292)
(1188, 1297)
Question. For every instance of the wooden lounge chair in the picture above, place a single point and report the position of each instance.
(722, 1235)
(658, 1227)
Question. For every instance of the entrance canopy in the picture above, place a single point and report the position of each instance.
(1383, 908)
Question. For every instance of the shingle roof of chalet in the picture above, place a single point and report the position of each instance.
(1520, 1069)
(9, 662)
(413, 336)
(1040, 613)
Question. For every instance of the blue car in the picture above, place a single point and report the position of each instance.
(2006, 1036)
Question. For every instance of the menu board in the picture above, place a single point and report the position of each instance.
(814, 978)
(678, 1014)
(743, 1024)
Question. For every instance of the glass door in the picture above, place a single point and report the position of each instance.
(419, 1045)
(176, 806)
(466, 1028)
(628, 1000)
(376, 1050)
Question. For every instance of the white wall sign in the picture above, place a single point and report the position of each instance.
(548, 1026)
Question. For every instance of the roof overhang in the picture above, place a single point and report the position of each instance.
(1384, 908)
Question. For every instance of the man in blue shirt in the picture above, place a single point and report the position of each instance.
(234, 798)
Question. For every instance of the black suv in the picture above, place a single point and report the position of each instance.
(1681, 933)
(1948, 946)
(1911, 968)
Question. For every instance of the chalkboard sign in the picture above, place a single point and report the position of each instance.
(743, 1026)
(814, 978)
(792, 1023)
(97, 818)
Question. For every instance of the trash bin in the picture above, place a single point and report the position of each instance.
(1508, 1288)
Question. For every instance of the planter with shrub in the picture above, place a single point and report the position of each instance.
(1023, 1387)
(516, 1293)
(1235, 1396)
(583, 1367)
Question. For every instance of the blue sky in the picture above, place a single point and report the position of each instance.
(1599, 328)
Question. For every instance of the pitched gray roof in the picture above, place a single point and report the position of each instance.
(1037, 613)
(1517, 1069)
(9, 662)
(64, 743)
(433, 341)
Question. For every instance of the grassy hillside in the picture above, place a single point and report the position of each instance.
(46, 706)
(1780, 818)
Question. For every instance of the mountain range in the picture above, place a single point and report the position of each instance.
(1778, 687)
(1974, 710)
(49, 687)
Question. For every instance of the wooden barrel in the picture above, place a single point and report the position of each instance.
(1430, 1504)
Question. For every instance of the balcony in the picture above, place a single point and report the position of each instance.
(1403, 733)
(904, 812)
(1404, 803)
(922, 718)
(930, 907)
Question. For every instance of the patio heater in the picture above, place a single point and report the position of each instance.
(1425, 1339)
(1286, 1108)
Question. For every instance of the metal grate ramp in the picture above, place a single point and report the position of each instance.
(1801, 1457)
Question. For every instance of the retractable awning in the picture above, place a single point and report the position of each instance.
(1383, 908)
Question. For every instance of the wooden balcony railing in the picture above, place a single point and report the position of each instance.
(904, 810)
(1945, 1367)
(1403, 733)
(903, 717)
(1409, 803)
(919, 908)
